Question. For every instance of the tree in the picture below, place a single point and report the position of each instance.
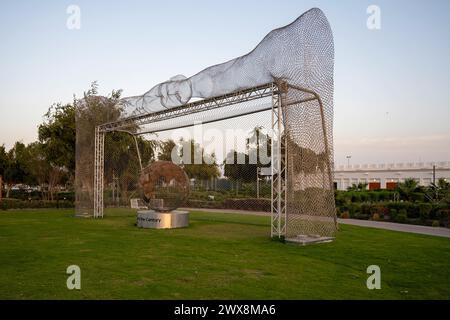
(15, 171)
(122, 160)
(4, 163)
(91, 111)
(244, 172)
(438, 192)
(205, 170)
(358, 187)
(407, 188)
(43, 172)
(259, 146)
(57, 136)
(247, 171)
(165, 150)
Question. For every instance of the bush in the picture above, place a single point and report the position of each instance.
(362, 216)
(354, 209)
(345, 215)
(384, 195)
(424, 211)
(250, 204)
(435, 223)
(6, 204)
(376, 217)
(401, 216)
(393, 214)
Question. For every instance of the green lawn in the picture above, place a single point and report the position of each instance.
(220, 256)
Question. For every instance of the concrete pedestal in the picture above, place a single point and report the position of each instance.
(305, 239)
(162, 220)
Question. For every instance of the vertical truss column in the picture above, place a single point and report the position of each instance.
(99, 163)
(279, 172)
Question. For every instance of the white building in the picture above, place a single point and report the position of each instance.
(386, 176)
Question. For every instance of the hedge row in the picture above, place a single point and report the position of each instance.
(37, 195)
(250, 204)
(6, 204)
(403, 212)
(372, 196)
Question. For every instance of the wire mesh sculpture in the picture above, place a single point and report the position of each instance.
(165, 186)
(299, 60)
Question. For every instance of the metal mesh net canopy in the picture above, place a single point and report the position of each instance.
(285, 83)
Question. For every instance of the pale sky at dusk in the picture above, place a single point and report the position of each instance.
(392, 95)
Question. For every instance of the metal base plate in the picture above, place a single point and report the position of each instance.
(162, 220)
(305, 239)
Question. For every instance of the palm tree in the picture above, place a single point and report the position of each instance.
(407, 188)
(439, 191)
(358, 187)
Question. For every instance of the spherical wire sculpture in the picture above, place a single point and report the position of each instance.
(164, 185)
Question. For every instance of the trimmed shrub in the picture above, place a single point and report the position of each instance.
(203, 204)
(424, 211)
(435, 223)
(345, 215)
(338, 212)
(248, 204)
(393, 214)
(7, 204)
(401, 216)
(362, 216)
(376, 217)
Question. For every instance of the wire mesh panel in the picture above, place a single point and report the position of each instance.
(285, 83)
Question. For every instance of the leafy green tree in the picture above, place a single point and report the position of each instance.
(122, 161)
(165, 150)
(235, 171)
(4, 160)
(207, 169)
(91, 111)
(407, 188)
(16, 168)
(57, 136)
(259, 147)
(357, 187)
(443, 184)
(438, 192)
(122, 165)
(4, 163)
(247, 171)
(43, 172)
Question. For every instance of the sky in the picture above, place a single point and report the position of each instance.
(392, 93)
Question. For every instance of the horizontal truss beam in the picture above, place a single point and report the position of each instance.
(240, 96)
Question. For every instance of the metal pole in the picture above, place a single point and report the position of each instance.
(434, 174)
(257, 182)
(279, 173)
(138, 152)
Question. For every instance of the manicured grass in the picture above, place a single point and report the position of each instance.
(220, 256)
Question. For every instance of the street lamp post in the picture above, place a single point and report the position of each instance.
(348, 160)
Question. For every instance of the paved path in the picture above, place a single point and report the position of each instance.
(432, 231)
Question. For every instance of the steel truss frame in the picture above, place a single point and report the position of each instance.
(276, 90)
(99, 168)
